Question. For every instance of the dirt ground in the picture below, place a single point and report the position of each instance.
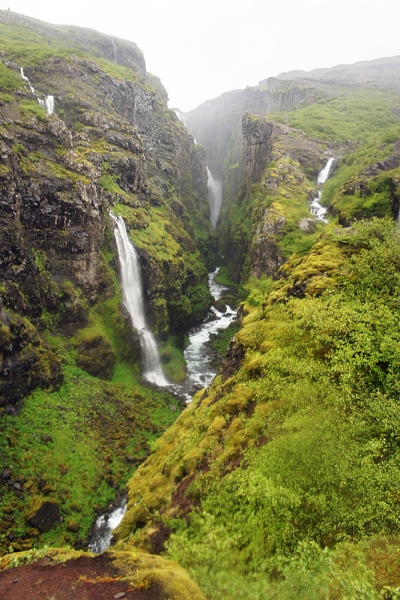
(83, 578)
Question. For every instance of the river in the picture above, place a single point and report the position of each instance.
(200, 373)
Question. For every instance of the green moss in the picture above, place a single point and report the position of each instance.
(30, 108)
(294, 441)
(359, 115)
(9, 81)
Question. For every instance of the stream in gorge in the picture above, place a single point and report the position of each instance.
(199, 367)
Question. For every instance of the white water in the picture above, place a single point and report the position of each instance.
(47, 103)
(182, 119)
(24, 77)
(102, 533)
(214, 197)
(115, 51)
(133, 299)
(200, 371)
(316, 208)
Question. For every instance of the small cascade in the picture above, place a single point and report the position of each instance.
(214, 196)
(182, 119)
(47, 103)
(316, 208)
(115, 51)
(133, 298)
(200, 371)
(103, 527)
(24, 77)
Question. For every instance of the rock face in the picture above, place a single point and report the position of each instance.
(279, 166)
(46, 513)
(111, 143)
(217, 123)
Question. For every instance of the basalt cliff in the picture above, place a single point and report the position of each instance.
(280, 479)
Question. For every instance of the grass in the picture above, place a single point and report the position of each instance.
(362, 116)
(298, 443)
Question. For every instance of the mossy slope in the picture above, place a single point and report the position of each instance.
(298, 445)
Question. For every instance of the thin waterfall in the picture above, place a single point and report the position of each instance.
(214, 197)
(47, 103)
(316, 208)
(133, 299)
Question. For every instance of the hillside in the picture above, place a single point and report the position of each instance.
(76, 416)
(280, 478)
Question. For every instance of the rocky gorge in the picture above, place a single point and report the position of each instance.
(280, 477)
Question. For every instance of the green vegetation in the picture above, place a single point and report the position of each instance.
(362, 116)
(301, 442)
(78, 445)
(9, 81)
(30, 108)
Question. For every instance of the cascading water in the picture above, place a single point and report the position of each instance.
(24, 77)
(47, 103)
(214, 196)
(114, 51)
(200, 371)
(133, 298)
(316, 208)
(102, 531)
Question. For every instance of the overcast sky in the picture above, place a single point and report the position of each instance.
(202, 48)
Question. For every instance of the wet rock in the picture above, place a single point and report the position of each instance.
(298, 290)
(220, 305)
(72, 526)
(43, 514)
(307, 225)
(6, 473)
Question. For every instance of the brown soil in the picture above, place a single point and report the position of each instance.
(84, 578)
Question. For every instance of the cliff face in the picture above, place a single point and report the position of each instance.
(217, 123)
(111, 143)
(67, 347)
(280, 167)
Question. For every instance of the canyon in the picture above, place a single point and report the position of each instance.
(198, 323)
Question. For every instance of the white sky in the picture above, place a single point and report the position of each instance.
(202, 48)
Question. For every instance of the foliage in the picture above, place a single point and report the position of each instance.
(9, 81)
(30, 108)
(301, 443)
(360, 115)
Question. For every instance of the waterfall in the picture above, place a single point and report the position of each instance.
(133, 299)
(182, 119)
(214, 196)
(24, 77)
(316, 208)
(102, 533)
(324, 174)
(47, 103)
(114, 51)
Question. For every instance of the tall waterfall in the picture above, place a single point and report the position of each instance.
(133, 299)
(316, 208)
(214, 196)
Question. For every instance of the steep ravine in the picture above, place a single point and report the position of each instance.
(280, 478)
(77, 417)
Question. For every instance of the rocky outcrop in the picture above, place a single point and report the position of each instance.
(217, 123)
(280, 166)
(112, 142)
